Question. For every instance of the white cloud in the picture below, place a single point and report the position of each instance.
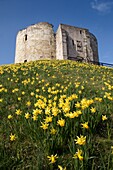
(103, 7)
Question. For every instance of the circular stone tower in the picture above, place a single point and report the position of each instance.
(35, 42)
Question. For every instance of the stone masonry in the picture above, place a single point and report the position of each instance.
(40, 42)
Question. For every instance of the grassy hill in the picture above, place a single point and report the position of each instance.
(56, 115)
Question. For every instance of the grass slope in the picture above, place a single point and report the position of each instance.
(56, 115)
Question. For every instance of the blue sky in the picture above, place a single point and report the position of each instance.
(96, 15)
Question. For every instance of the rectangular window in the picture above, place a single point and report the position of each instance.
(25, 37)
(80, 31)
(73, 42)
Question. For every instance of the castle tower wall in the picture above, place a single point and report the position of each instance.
(59, 45)
(94, 46)
(35, 42)
(80, 43)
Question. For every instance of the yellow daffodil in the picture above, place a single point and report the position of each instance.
(71, 115)
(79, 112)
(85, 125)
(104, 117)
(35, 117)
(23, 92)
(53, 131)
(12, 137)
(32, 93)
(52, 158)
(44, 125)
(93, 110)
(48, 119)
(27, 115)
(81, 140)
(47, 110)
(77, 105)
(55, 111)
(61, 122)
(78, 155)
(1, 100)
(37, 112)
(28, 103)
(18, 112)
(66, 107)
(10, 116)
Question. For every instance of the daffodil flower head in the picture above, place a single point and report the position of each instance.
(85, 125)
(61, 122)
(44, 125)
(52, 158)
(10, 116)
(27, 115)
(18, 112)
(93, 110)
(12, 137)
(81, 140)
(104, 117)
(78, 155)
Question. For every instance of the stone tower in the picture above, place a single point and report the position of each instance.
(35, 42)
(40, 42)
(76, 44)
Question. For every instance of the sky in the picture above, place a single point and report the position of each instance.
(95, 15)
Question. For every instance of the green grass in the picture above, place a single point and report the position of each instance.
(43, 105)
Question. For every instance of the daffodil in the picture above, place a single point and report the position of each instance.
(47, 110)
(93, 110)
(78, 155)
(66, 107)
(77, 105)
(12, 137)
(44, 125)
(53, 131)
(35, 117)
(18, 112)
(19, 98)
(10, 116)
(23, 92)
(28, 103)
(104, 117)
(55, 111)
(36, 112)
(27, 115)
(48, 119)
(81, 140)
(32, 93)
(61, 122)
(1, 100)
(52, 158)
(85, 125)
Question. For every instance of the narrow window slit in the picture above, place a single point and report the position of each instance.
(25, 37)
(73, 42)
